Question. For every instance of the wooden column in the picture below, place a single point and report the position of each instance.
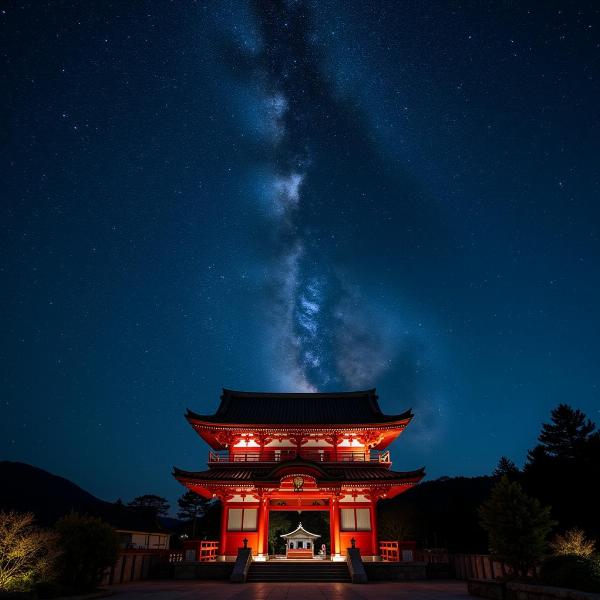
(262, 524)
(335, 527)
(223, 540)
(331, 528)
(266, 529)
(374, 536)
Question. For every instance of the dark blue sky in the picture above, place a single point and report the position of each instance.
(325, 195)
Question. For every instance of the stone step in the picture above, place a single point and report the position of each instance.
(328, 567)
(295, 577)
(280, 571)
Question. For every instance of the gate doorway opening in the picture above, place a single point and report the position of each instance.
(285, 521)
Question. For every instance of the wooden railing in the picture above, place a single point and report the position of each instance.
(397, 550)
(174, 556)
(477, 566)
(463, 566)
(208, 551)
(270, 455)
(134, 564)
(389, 551)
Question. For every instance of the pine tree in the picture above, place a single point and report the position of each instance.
(517, 526)
(191, 506)
(567, 434)
(568, 452)
(157, 504)
(506, 467)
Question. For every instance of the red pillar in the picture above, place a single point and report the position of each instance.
(262, 524)
(266, 528)
(331, 528)
(374, 536)
(335, 538)
(223, 541)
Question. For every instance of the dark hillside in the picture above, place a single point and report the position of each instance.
(26, 488)
(438, 514)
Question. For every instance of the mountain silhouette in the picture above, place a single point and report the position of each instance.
(49, 497)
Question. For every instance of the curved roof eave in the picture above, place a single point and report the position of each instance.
(388, 421)
(300, 529)
(268, 476)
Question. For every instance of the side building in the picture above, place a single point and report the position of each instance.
(299, 452)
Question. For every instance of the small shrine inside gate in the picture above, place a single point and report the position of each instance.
(300, 543)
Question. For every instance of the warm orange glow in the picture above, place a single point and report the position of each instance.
(255, 468)
(573, 542)
(28, 553)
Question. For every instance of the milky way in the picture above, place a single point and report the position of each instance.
(322, 332)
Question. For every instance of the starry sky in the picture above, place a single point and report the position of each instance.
(294, 196)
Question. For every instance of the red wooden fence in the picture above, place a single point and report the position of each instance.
(208, 551)
(397, 551)
(389, 551)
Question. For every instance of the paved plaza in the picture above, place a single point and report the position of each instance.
(217, 590)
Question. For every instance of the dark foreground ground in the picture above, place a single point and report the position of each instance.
(217, 590)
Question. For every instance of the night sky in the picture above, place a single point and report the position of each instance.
(292, 197)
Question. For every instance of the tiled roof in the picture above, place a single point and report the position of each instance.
(236, 474)
(299, 408)
(333, 474)
(379, 474)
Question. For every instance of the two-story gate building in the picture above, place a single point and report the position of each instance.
(300, 452)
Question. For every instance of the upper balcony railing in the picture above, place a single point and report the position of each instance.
(275, 455)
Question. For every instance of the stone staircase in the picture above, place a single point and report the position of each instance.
(315, 570)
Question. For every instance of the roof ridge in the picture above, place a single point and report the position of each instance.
(310, 534)
(244, 393)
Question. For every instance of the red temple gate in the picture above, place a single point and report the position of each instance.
(301, 452)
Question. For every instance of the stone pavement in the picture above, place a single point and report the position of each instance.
(221, 590)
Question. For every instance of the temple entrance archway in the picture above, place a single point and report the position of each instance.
(284, 520)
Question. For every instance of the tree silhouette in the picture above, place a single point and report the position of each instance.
(517, 526)
(506, 467)
(191, 506)
(568, 433)
(279, 523)
(560, 469)
(157, 504)
(89, 546)
(401, 524)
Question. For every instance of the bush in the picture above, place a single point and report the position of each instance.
(572, 571)
(27, 554)
(89, 546)
(517, 526)
(573, 542)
